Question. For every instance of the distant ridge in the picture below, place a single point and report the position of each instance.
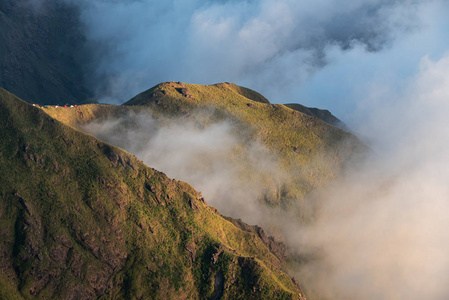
(297, 138)
(159, 91)
(322, 114)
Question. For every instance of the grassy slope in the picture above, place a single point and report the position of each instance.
(81, 218)
(311, 151)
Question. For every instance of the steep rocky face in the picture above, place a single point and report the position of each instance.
(39, 50)
(81, 219)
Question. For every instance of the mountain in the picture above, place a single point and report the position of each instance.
(81, 218)
(40, 51)
(310, 152)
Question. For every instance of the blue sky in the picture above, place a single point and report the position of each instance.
(342, 83)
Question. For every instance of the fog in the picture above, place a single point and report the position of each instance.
(231, 171)
(379, 232)
(274, 47)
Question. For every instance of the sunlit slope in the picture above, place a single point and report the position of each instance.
(310, 151)
(84, 219)
(83, 114)
(313, 151)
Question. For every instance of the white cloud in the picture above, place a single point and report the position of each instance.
(247, 42)
(230, 172)
(382, 231)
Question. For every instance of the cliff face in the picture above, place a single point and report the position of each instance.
(39, 51)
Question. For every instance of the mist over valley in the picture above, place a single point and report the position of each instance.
(131, 166)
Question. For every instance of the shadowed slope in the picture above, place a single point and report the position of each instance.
(39, 51)
(84, 219)
(321, 114)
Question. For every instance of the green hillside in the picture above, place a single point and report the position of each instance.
(309, 150)
(84, 219)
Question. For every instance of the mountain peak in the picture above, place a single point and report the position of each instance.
(169, 93)
(172, 88)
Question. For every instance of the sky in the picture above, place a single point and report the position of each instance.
(318, 53)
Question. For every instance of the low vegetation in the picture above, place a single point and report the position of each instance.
(84, 219)
(310, 151)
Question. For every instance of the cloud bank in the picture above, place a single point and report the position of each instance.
(270, 46)
(231, 172)
(382, 233)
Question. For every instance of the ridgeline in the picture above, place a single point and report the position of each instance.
(82, 219)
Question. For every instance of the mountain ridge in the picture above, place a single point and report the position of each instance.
(99, 222)
(159, 90)
(322, 114)
(312, 151)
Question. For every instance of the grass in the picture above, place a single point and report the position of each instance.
(83, 218)
(310, 151)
